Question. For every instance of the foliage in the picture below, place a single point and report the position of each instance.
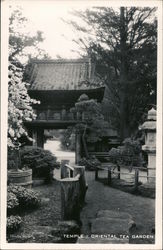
(98, 130)
(13, 223)
(130, 154)
(91, 123)
(19, 106)
(41, 161)
(123, 43)
(27, 198)
(68, 139)
(23, 43)
(90, 163)
(12, 203)
(97, 127)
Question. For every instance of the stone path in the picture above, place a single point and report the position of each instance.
(117, 209)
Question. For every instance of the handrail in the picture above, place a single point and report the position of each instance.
(70, 167)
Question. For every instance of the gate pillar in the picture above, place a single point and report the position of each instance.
(38, 136)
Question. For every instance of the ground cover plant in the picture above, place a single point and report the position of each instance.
(45, 216)
(12, 203)
(26, 198)
(19, 199)
(13, 223)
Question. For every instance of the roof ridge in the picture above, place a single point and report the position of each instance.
(77, 60)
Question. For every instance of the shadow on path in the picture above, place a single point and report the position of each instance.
(102, 197)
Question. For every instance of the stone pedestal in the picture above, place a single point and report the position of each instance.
(150, 144)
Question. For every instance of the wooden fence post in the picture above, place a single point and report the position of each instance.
(96, 174)
(119, 169)
(136, 178)
(109, 176)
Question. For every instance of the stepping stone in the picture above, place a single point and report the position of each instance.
(112, 223)
(114, 226)
(113, 214)
(117, 215)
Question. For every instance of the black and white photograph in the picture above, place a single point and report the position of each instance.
(81, 147)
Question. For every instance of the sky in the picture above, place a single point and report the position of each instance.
(47, 16)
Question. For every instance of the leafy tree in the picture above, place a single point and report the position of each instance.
(123, 43)
(19, 102)
(19, 106)
(19, 111)
(23, 45)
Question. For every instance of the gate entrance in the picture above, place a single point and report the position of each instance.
(58, 84)
(61, 142)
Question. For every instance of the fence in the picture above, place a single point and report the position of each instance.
(73, 190)
(111, 170)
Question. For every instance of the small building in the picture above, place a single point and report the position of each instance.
(58, 84)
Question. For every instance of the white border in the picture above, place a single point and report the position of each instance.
(4, 102)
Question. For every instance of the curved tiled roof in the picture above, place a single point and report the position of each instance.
(62, 74)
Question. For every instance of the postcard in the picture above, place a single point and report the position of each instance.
(81, 124)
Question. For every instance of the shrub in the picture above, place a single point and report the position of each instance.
(27, 198)
(12, 203)
(42, 162)
(90, 163)
(13, 223)
(130, 154)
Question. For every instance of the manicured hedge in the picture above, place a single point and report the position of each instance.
(90, 163)
(41, 161)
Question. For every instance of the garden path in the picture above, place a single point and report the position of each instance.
(55, 148)
(102, 197)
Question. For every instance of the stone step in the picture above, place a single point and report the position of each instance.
(110, 214)
(104, 225)
(110, 227)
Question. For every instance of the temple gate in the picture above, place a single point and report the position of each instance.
(58, 84)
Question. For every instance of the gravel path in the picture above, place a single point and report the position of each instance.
(101, 197)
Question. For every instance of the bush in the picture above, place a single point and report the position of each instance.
(130, 154)
(42, 162)
(27, 198)
(12, 203)
(91, 163)
(13, 223)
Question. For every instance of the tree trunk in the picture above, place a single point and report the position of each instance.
(124, 126)
(84, 142)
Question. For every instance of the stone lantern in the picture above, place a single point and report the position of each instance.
(149, 127)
